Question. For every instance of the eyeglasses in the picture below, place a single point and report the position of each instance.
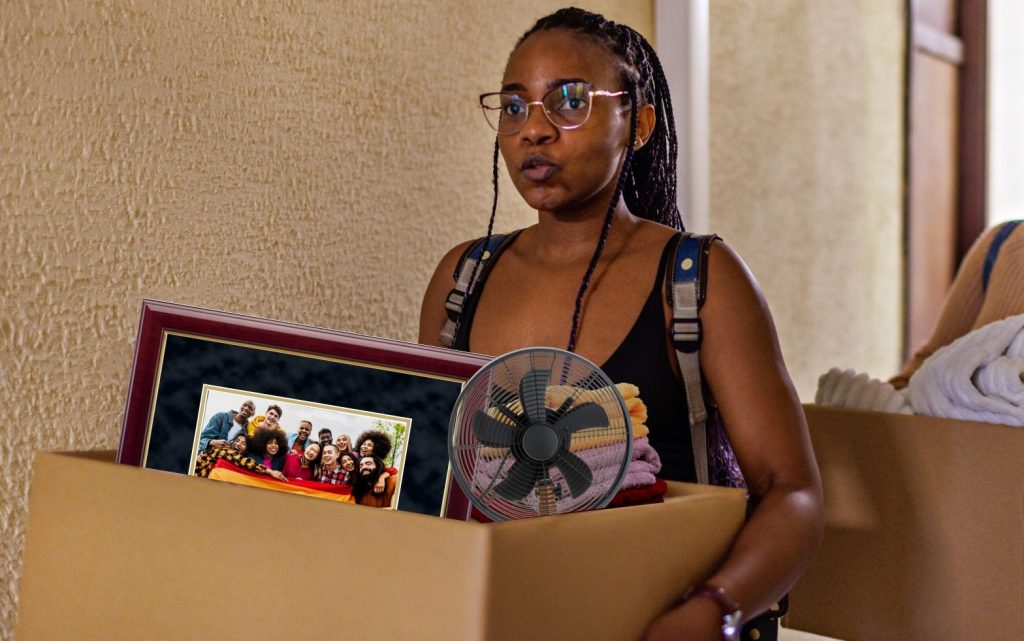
(566, 106)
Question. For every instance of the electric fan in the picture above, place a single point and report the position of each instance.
(539, 431)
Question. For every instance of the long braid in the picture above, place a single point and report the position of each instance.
(667, 145)
(494, 210)
(606, 227)
(490, 228)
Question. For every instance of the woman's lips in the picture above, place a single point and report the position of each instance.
(537, 168)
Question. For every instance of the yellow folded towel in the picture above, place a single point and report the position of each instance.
(593, 437)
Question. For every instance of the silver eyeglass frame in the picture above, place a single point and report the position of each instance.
(591, 93)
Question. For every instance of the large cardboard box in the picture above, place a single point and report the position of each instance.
(924, 530)
(116, 552)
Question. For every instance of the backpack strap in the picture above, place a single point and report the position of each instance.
(686, 291)
(993, 250)
(476, 254)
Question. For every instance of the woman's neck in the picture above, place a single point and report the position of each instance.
(565, 238)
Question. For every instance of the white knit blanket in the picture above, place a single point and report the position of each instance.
(846, 388)
(978, 377)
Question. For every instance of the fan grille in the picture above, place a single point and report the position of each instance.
(539, 431)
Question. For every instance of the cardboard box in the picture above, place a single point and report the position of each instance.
(924, 530)
(120, 552)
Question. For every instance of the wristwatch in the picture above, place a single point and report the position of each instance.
(732, 616)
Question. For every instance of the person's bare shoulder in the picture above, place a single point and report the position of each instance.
(744, 367)
(432, 311)
(645, 237)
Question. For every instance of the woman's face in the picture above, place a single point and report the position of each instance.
(562, 170)
(239, 444)
(272, 448)
(311, 452)
(348, 463)
(343, 442)
(366, 447)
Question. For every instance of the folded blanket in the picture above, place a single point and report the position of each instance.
(978, 377)
(846, 388)
(624, 498)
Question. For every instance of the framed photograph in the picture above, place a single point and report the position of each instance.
(201, 379)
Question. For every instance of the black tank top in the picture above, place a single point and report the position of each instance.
(643, 359)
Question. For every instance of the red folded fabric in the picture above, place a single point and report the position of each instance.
(654, 493)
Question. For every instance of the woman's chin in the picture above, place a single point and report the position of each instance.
(543, 199)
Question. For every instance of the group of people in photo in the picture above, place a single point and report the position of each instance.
(259, 443)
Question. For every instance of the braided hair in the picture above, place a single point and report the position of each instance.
(647, 178)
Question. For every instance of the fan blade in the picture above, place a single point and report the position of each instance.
(522, 476)
(532, 389)
(577, 473)
(581, 417)
(492, 432)
(499, 394)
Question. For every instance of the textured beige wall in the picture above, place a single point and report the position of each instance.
(304, 161)
(806, 171)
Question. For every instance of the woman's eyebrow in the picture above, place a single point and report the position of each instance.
(515, 86)
(563, 81)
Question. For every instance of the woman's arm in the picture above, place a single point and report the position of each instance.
(960, 308)
(381, 484)
(205, 463)
(743, 365)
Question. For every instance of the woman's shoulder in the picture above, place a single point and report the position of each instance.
(453, 256)
(728, 274)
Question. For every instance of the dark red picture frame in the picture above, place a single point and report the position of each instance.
(159, 318)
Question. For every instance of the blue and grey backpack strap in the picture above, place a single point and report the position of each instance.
(686, 292)
(993, 250)
(477, 254)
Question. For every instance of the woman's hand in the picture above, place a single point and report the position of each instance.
(277, 475)
(698, 619)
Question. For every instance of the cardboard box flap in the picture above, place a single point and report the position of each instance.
(164, 556)
(924, 529)
(120, 552)
(551, 575)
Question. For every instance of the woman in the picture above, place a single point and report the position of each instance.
(303, 466)
(240, 443)
(348, 464)
(375, 442)
(989, 286)
(208, 460)
(344, 443)
(585, 129)
(268, 447)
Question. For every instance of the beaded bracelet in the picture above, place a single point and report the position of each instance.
(732, 616)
